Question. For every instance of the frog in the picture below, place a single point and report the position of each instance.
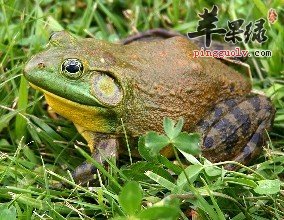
(111, 89)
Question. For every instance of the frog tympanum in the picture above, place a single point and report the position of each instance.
(97, 85)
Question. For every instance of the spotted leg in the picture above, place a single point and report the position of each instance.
(235, 129)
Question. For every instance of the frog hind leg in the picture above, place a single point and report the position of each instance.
(235, 129)
(252, 149)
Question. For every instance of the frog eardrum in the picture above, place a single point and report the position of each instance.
(106, 89)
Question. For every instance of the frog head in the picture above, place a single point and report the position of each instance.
(78, 80)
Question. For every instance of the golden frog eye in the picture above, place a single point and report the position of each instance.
(106, 89)
(72, 68)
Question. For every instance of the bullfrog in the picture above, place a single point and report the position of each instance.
(107, 89)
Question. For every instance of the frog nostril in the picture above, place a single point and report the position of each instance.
(41, 65)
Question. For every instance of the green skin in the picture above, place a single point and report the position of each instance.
(143, 82)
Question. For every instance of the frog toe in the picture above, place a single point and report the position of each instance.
(84, 173)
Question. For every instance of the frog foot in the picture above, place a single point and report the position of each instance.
(235, 129)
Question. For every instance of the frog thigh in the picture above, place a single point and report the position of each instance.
(252, 148)
(235, 128)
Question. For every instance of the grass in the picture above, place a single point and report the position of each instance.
(36, 150)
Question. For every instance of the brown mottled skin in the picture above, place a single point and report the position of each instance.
(157, 79)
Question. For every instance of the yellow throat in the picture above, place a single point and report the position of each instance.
(89, 118)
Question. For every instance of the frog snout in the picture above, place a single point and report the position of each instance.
(34, 66)
(28, 68)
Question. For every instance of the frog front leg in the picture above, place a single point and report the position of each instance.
(102, 146)
(235, 129)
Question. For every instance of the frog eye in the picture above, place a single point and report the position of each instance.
(72, 68)
(106, 89)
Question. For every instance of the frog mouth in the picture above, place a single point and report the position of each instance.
(64, 101)
(91, 118)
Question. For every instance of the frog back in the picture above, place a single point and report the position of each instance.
(164, 80)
